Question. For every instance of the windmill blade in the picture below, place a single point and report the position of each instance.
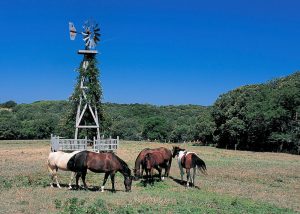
(72, 30)
(86, 38)
(87, 43)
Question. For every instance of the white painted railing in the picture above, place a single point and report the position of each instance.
(109, 144)
(61, 144)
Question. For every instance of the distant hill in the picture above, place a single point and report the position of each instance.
(262, 117)
(40, 119)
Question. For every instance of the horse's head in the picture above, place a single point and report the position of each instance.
(137, 174)
(127, 183)
(176, 150)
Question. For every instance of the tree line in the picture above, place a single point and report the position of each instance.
(262, 117)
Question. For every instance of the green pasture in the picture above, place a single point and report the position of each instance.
(237, 182)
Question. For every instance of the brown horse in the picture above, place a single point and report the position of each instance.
(166, 154)
(189, 160)
(150, 161)
(107, 163)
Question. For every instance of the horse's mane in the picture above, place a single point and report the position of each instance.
(124, 165)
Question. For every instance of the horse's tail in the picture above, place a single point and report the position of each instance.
(199, 163)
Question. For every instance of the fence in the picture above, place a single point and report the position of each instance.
(106, 144)
(61, 144)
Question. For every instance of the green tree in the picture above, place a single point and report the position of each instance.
(8, 104)
(156, 128)
(9, 125)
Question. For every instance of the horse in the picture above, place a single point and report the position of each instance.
(107, 163)
(59, 160)
(150, 161)
(189, 160)
(167, 156)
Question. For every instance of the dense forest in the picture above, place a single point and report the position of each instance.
(263, 117)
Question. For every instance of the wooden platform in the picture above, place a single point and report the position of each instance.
(87, 52)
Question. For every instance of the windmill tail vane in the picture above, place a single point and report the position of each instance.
(72, 30)
(91, 34)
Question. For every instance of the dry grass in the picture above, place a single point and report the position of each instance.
(261, 177)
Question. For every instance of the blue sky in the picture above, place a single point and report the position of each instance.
(157, 52)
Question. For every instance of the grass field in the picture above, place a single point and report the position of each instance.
(237, 182)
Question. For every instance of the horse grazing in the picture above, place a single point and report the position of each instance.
(107, 163)
(59, 160)
(189, 160)
(150, 161)
(167, 161)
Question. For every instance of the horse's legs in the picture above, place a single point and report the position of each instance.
(51, 175)
(167, 172)
(159, 169)
(78, 174)
(83, 179)
(55, 176)
(104, 181)
(112, 177)
(71, 179)
(188, 175)
(194, 175)
(142, 172)
(147, 180)
(181, 173)
(151, 176)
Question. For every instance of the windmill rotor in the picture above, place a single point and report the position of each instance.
(91, 34)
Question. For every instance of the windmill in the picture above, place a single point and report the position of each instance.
(86, 97)
(91, 36)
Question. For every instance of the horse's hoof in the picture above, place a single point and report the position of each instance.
(163, 178)
(102, 188)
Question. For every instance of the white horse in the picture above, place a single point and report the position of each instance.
(59, 160)
(189, 160)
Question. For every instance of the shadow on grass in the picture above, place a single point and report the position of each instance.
(90, 188)
(182, 183)
(144, 181)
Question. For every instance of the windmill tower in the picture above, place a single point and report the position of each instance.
(86, 97)
(87, 104)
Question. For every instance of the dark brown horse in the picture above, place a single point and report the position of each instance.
(152, 160)
(166, 154)
(107, 163)
(188, 160)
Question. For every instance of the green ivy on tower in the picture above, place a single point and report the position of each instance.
(94, 97)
